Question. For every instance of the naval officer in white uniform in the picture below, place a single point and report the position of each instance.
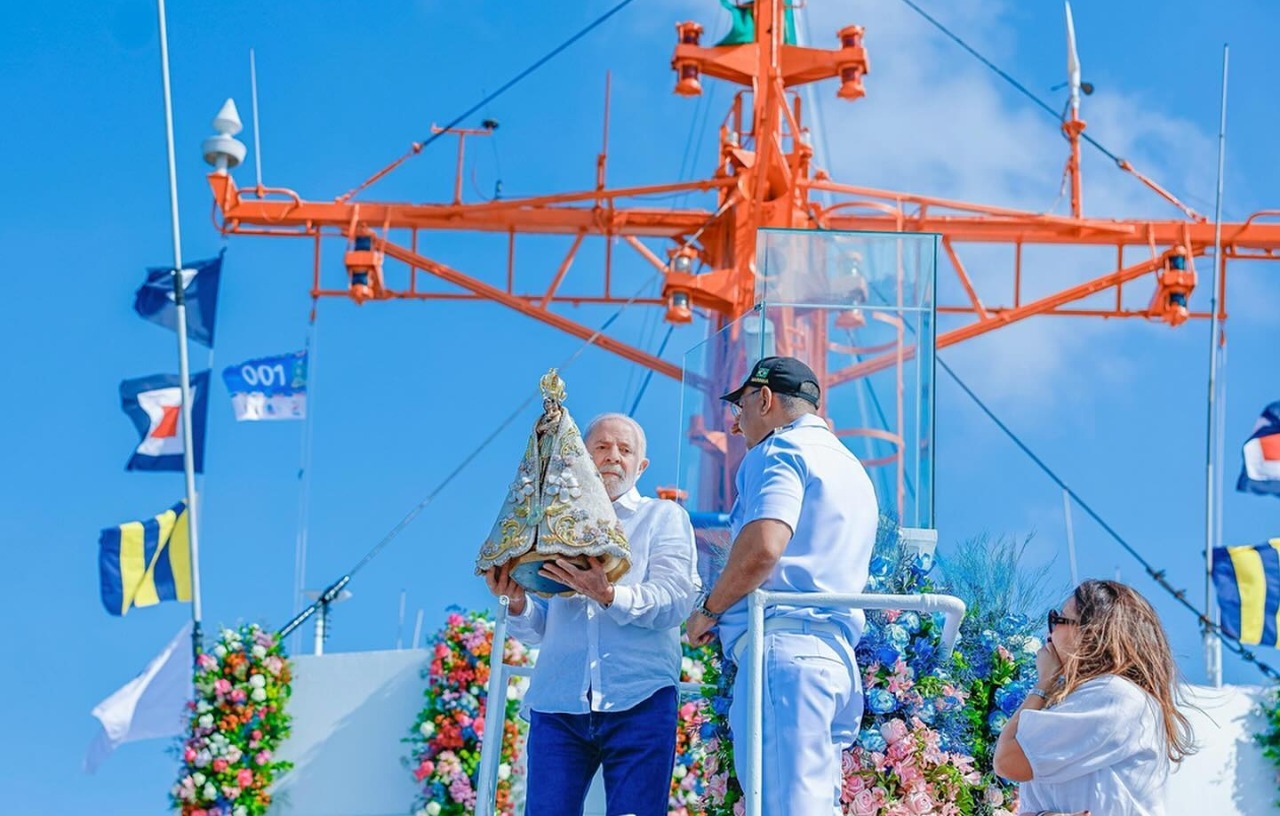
(805, 520)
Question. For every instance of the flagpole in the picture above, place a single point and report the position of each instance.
(1213, 646)
(184, 371)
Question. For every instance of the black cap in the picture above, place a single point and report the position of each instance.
(784, 375)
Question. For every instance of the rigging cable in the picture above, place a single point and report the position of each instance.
(417, 147)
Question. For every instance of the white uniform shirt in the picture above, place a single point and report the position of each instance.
(1100, 749)
(625, 653)
(802, 476)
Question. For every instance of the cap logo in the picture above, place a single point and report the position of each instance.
(762, 373)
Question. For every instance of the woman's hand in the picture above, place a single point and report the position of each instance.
(1048, 666)
(501, 583)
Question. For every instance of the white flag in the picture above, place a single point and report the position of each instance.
(151, 705)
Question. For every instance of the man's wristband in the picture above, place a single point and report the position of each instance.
(1035, 692)
(702, 610)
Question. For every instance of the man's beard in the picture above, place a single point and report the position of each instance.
(615, 484)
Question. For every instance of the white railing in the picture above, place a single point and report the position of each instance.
(500, 672)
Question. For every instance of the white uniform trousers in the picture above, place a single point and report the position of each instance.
(812, 712)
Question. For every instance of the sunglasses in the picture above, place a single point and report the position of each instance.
(736, 407)
(1056, 619)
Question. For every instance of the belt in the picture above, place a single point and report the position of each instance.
(798, 626)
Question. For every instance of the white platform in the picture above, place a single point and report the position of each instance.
(350, 712)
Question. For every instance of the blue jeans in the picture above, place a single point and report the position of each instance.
(637, 748)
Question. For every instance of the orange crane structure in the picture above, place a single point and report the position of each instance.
(765, 177)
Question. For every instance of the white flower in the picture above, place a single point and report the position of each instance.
(257, 681)
(240, 810)
(220, 650)
(230, 634)
(258, 695)
(203, 758)
(210, 791)
(680, 771)
(259, 651)
(504, 772)
(433, 809)
(202, 707)
(686, 665)
(1032, 645)
(198, 778)
(427, 728)
(205, 721)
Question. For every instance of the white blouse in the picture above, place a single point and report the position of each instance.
(1100, 749)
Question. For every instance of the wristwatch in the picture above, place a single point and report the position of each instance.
(701, 607)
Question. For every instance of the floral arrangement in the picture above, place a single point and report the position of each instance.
(446, 736)
(1269, 739)
(688, 779)
(238, 720)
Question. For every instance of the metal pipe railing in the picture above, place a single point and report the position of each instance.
(752, 787)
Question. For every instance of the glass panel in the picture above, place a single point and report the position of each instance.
(859, 309)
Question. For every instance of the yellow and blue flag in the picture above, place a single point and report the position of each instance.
(142, 563)
(1247, 580)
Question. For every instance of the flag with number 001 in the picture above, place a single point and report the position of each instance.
(269, 387)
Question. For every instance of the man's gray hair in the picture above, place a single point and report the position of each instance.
(795, 406)
(641, 441)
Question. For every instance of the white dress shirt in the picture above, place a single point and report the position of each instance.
(594, 658)
(804, 477)
(1100, 749)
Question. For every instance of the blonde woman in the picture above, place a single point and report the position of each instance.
(1101, 728)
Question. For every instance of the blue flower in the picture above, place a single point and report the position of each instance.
(924, 651)
(926, 712)
(1009, 697)
(871, 740)
(909, 621)
(896, 635)
(886, 655)
(997, 721)
(881, 567)
(881, 701)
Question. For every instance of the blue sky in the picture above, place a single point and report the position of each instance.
(403, 392)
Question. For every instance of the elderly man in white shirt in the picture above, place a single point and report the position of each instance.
(805, 520)
(604, 688)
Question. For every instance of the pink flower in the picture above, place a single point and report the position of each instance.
(891, 615)
(442, 650)
(919, 803)
(739, 808)
(207, 661)
(238, 696)
(199, 812)
(219, 765)
(244, 778)
(222, 686)
(864, 804)
(262, 757)
(893, 731)
(189, 755)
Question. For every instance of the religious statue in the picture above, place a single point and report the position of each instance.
(557, 507)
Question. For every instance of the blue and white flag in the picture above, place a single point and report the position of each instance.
(1261, 471)
(155, 301)
(269, 387)
(155, 405)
